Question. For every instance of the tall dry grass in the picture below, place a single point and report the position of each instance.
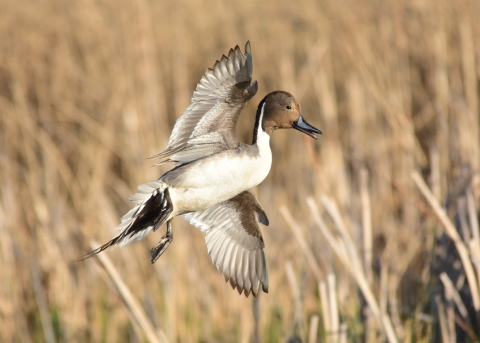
(89, 89)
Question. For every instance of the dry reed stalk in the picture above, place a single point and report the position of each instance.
(329, 297)
(454, 236)
(359, 119)
(475, 251)
(435, 180)
(332, 296)
(315, 56)
(7, 258)
(394, 306)
(333, 211)
(367, 225)
(467, 328)
(48, 332)
(472, 215)
(449, 308)
(312, 262)
(343, 333)
(367, 246)
(180, 79)
(444, 328)
(470, 134)
(132, 305)
(383, 301)
(326, 313)
(469, 67)
(332, 157)
(453, 294)
(148, 65)
(351, 261)
(256, 317)
(474, 245)
(462, 218)
(297, 297)
(171, 305)
(287, 65)
(396, 119)
(33, 135)
(312, 333)
(442, 90)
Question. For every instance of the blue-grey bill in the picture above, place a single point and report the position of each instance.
(302, 126)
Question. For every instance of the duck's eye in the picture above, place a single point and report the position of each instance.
(289, 107)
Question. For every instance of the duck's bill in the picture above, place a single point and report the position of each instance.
(302, 126)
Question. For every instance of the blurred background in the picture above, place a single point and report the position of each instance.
(356, 252)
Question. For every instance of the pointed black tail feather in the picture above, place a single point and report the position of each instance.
(154, 207)
(96, 251)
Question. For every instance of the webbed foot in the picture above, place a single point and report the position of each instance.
(160, 248)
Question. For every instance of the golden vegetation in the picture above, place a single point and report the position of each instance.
(356, 252)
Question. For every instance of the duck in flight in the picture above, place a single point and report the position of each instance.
(209, 184)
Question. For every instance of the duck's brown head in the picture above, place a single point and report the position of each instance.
(280, 110)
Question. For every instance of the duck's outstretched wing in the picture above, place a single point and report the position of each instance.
(234, 241)
(208, 124)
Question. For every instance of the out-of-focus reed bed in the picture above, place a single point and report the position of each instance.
(373, 229)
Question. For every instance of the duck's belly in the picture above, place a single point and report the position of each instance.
(209, 181)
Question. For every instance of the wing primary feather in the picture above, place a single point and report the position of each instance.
(238, 58)
(223, 67)
(248, 49)
(231, 62)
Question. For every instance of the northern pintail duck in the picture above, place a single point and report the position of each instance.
(213, 172)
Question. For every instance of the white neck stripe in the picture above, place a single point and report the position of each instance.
(260, 121)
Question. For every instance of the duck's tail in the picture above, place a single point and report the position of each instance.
(153, 208)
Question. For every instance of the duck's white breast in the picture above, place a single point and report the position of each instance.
(219, 177)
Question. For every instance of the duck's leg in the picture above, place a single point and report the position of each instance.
(160, 248)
